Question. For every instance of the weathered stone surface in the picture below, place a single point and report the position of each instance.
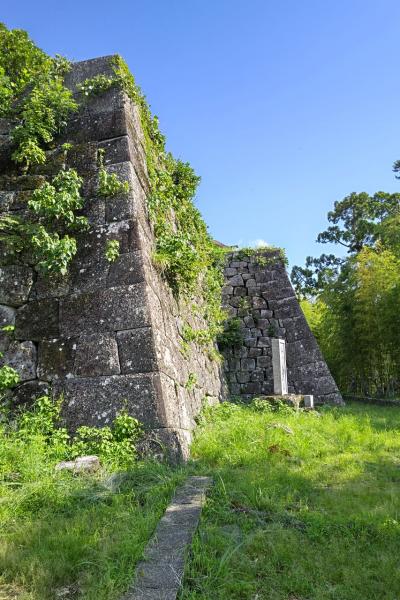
(137, 351)
(7, 315)
(21, 183)
(236, 280)
(112, 309)
(122, 206)
(87, 400)
(22, 357)
(56, 358)
(28, 392)
(37, 320)
(15, 284)
(96, 354)
(92, 245)
(81, 464)
(78, 321)
(126, 270)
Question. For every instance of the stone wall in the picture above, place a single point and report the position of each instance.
(258, 293)
(107, 336)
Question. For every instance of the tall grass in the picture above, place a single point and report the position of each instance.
(73, 536)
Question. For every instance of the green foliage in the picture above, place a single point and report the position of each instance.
(112, 250)
(53, 253)
(8, 378)
(115, 444)
(191, 381)
(20, 62)
(109, 184)
(185, 252)
(32, 94)
(92, 527)
(96, 85)
(59, 200)
(353, 307)
(53, 206)
(265, 255)
(43, 114)
(232, 334)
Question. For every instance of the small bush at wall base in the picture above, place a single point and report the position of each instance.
(115, 445)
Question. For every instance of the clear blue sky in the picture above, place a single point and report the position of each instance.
(281, 106)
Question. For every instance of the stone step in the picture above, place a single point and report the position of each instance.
(159, 575)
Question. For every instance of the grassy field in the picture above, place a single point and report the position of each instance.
(305, 506)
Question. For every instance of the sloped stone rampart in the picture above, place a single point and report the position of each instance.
(106, 336)
(259, 294)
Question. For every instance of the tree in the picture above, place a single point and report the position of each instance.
(351, 302)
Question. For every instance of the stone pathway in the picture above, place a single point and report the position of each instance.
(159, 575)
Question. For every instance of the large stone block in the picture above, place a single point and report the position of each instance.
(126, 270)
(7, 317)
(50, 287)
(86, 69)
(137, 351)
(37, 320)
(92, 244)
(56, 358)
(117, 150)
(286, 308)
(83, 128)
(113, 309)
(21, 183)
(128, 205)
(95, 401)
(15, 284)
(97, 354)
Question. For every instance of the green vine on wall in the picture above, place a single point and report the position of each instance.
(185, 252)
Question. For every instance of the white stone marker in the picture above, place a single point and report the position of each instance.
(308, 401)
(279, 366)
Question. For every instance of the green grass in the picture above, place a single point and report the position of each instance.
(66, 536)
(310, 516)
(311, 513)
